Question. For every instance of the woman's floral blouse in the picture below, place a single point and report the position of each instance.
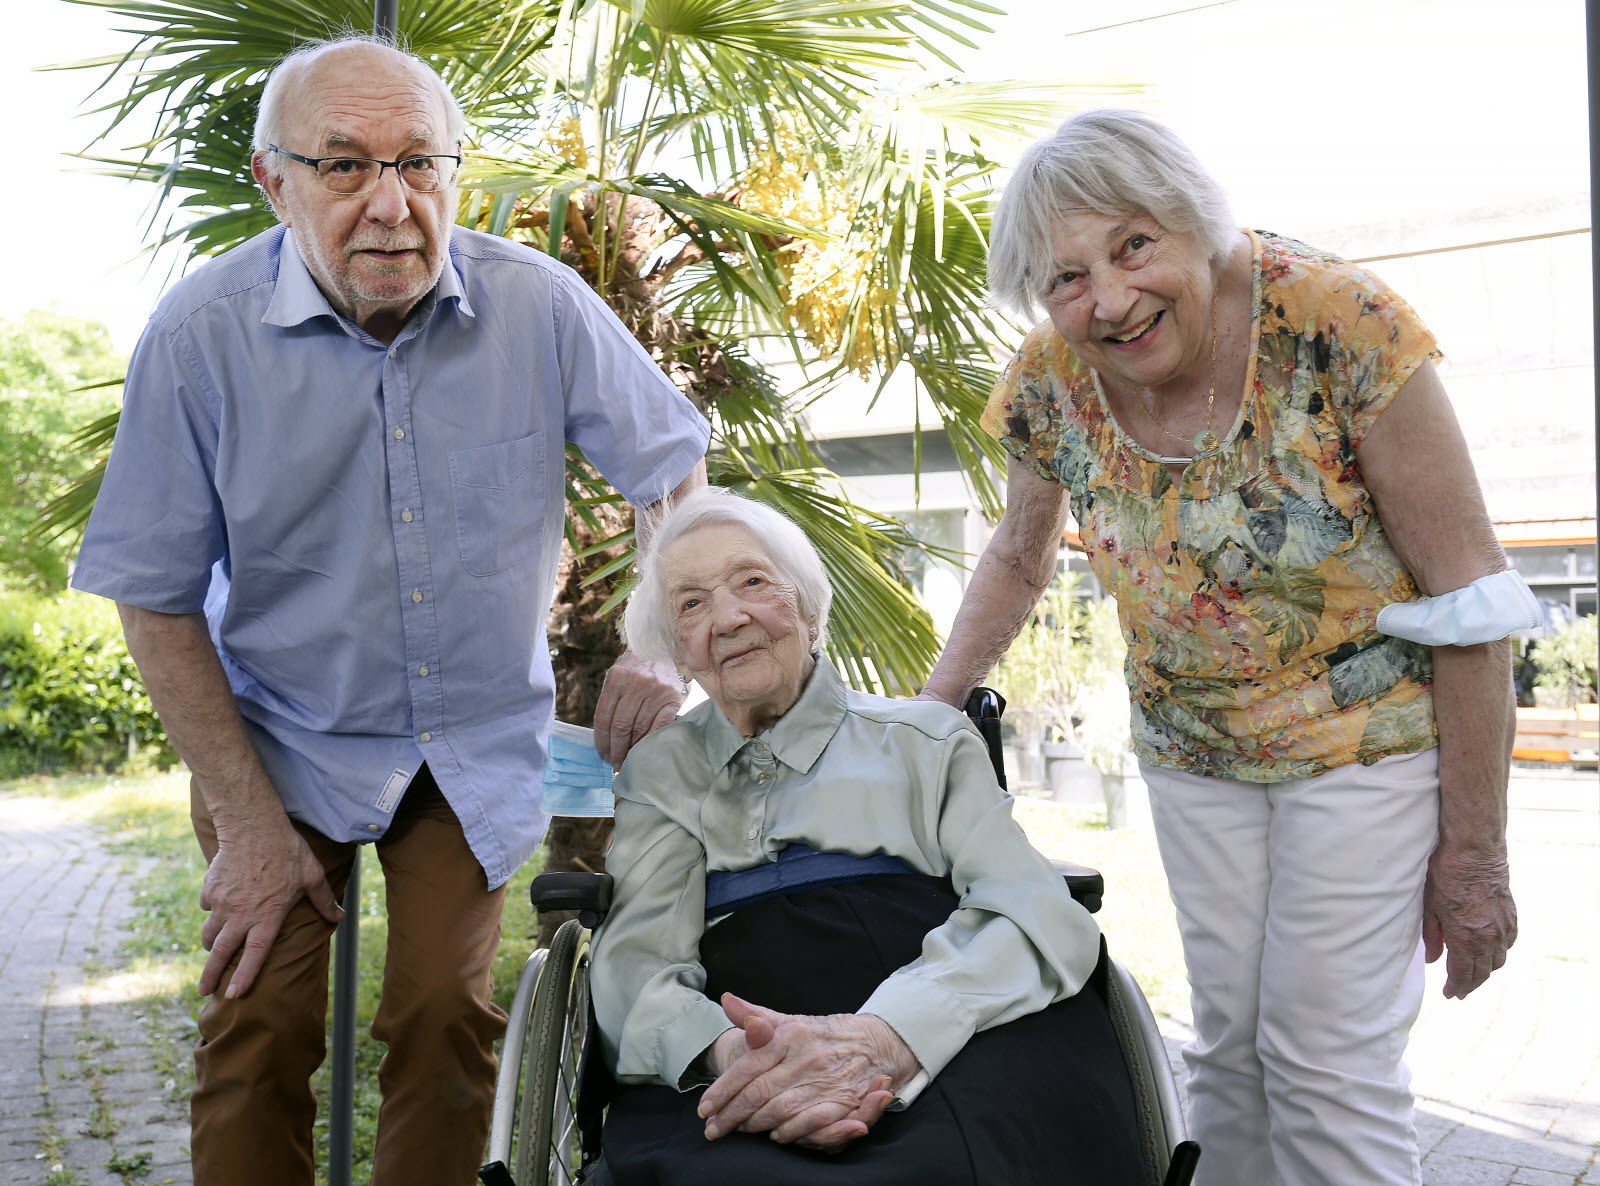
(1248, 588)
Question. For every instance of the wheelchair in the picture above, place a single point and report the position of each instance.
(549, 1109)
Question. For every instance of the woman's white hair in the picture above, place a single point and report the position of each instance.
(1110, 161)
(647, 622)
(292, 67)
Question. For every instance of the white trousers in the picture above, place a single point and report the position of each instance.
(1300, 908)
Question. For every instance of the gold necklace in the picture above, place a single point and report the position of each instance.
(1205, 441)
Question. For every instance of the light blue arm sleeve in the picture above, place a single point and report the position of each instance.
(645, 977)
(1487, 610)
(1016, 943)
(157, 526)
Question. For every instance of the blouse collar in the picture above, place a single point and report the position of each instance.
(799, 736)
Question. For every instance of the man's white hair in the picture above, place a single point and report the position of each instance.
(292, 67)
(647, 622)
(1110, 161)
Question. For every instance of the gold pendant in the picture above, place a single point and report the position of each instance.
(1207, 441)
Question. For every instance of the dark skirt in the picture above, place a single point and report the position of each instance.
(1042, 1101)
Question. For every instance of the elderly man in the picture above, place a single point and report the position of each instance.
(331, 522)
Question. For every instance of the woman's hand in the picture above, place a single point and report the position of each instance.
(821, 1082)
(1468, 910)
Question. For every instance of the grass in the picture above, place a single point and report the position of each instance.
(147, 817)
(1138, 920)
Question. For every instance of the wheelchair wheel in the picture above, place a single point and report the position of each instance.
(547, 1152)
(1161, 1123)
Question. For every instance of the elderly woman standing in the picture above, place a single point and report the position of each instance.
(823, 905)
(1267, 475)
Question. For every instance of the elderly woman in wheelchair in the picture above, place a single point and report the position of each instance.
(826, 917)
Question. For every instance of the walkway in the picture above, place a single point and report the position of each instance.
(78, 1098)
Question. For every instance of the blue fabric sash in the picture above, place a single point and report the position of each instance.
(798, 867)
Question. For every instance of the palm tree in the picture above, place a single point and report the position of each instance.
(743, 181)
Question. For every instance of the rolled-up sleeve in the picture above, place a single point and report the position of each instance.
(646, 980)
(157, 528)
(1017, 942)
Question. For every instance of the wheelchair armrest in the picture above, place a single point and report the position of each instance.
(587, 893)
(1086, 884)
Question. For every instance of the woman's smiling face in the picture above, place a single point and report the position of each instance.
(736, 624)
(1130, 298)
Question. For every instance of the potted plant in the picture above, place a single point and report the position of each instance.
(1565, 663)
(1062, 660)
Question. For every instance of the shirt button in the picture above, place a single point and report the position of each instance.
(416, 595)
(423, 670)
(407, 515)
(762, 777)
(399, 434)
(754, 832)
(424, 736)
(373, 828)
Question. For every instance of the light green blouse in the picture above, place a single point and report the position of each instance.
(842, 771)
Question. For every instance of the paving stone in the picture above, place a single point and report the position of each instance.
(1527, 1177)
(1431, 1130)
(1441, 1169)
(1579, 1123)
(1484, 1145)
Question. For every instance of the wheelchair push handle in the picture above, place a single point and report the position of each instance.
(984, 707)
(1185, 1160)
(587, 893)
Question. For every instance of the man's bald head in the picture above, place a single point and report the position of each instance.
(296, 70)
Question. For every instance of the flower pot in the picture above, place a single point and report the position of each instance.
(1071, 777)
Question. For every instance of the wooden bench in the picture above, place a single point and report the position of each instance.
(1558, 734)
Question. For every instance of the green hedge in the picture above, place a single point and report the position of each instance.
(70, 696)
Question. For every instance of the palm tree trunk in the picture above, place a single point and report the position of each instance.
(583, 646)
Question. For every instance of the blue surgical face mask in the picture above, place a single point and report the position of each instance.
(576, 781)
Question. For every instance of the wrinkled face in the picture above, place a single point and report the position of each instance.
(1130, 297)
(737, 628)
(374, 255)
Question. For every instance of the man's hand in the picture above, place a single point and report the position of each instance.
(1468, 910)
(259, 873)
(638, 697)
(821, 1082)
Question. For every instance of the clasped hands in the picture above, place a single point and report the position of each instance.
(816, 1081)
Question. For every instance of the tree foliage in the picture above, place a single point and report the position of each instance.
(57, 374)
(70, 696)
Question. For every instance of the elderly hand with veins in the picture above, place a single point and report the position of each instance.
(817, 1081)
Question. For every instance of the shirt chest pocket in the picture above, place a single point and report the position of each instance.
(499, 498)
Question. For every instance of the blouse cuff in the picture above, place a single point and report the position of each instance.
(908, 1094)
(678, 1045)
(1486, 610)
(931, 1022)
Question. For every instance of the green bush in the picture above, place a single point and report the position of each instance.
(70, 696)
(1566, 660)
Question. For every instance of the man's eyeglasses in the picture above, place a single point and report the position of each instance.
(357, 174)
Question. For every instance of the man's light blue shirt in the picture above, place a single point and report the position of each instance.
(373, 531)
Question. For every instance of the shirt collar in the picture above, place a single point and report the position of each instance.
(296, 297)
(799, 736)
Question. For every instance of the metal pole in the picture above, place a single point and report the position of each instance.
(1592, 21)
(342, 1088)
(347, 938)
(385, 18)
